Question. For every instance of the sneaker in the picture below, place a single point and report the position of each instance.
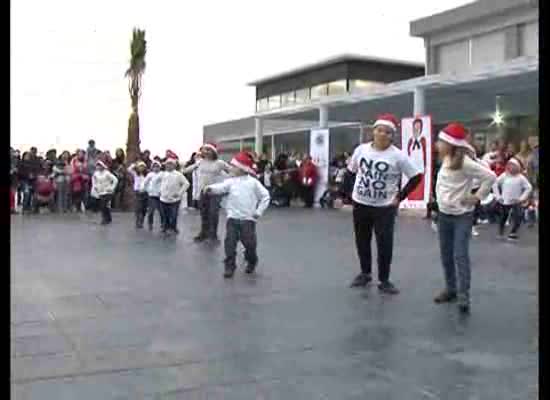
(229, 272)
(387, 287)
(513, 237)
(176, 231)
(250, 268)
(213, 241)
(464, 308)
(500, 236)
(475, 232)
(484, 221)
(151, 227)
(434, 226)
(361, 280)
(445, 296)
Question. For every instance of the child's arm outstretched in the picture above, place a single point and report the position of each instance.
(219, 188)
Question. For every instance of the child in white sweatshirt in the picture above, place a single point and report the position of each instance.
(513, 189)
(247, 199)
(103, 185)
(172, 189)
(153, 182)
(138, 171)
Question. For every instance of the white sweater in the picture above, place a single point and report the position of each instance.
(173, 186)
(246, 199)
(139, 180)
(152, 183)
(208, 172)
(453, 186)
(512, 189)
(103, 183)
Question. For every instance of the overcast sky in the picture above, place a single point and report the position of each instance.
(68, 59)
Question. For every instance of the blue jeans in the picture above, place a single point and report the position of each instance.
(454, 241)
(170, 212)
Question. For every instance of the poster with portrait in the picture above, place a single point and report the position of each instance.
(416, 143)
(319, 151)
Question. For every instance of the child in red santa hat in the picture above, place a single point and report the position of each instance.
(247, 200)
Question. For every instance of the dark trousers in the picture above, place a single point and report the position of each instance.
(105, 208)
(517, 216)
(245, 232)
(210, 215)
(170, 212)
(308, 194)
(141, 208)
(382, 221)
(76, 201)
(28, 193)
(154, 205)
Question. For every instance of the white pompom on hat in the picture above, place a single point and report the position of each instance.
(388, 120)
(211, 146)
(245, 162)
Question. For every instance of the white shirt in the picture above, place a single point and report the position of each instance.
(246, 197)
(103, 183)
(173, 186)
(379, 174)
(209, 172)
(453, 186)
(139, 180)
(152, 183)
(513, 189)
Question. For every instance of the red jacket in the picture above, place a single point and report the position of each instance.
(308, 174)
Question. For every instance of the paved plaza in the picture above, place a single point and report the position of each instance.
(106, 313)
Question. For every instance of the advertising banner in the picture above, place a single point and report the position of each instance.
(319, 151)
(416, 143)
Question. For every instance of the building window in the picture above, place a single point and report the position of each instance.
(261, 105)
(288, 99)
(302, 96)
(319, 91)
(337, 88)
(274, 102)
(361, 86)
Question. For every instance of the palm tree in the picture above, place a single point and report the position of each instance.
(134, 73)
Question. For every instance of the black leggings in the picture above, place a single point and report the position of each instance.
(381, 220)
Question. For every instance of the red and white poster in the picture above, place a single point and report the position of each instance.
(416, 142)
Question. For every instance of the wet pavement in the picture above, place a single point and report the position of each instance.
(112, 313)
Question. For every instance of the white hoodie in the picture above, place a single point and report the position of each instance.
(103, 182)
(173, 186)
(247, 199)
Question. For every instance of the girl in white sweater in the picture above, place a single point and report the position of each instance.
(456, 206)
(152, 184)
(103, 185)
(172, 188)
(513, 189)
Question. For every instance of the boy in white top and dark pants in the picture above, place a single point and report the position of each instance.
(139, 172)
(172, 188)
(247, 200)
(513, 189)
(103, 185)
(153, 182)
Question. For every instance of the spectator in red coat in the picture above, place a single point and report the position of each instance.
(308, 179)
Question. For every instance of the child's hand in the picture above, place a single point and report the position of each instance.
(470, 200)
(256, 216)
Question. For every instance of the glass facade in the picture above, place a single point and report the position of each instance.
(274, 102)
(302, 96)
(361, 86)
(319, 91)
(288, 99)
(262, 105)
(337, 88)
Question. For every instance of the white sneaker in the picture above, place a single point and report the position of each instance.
(484, 221)
(475, 232)
(434, 226)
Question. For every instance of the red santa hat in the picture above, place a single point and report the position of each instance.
(172, 155)
(210, 146)
(245, 162)
(517, 162)
(99, 162)
(455, 134)
(171, 160)
(388, 120)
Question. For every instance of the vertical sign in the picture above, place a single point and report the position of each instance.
(416, 143)
(319, 151)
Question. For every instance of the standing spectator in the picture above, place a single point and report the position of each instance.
(13, 179)
(146, 158)
(524, 155)
(43, 194)
(191, 203)
(513, 189)
(266, 176)
(379, 166)
(510, 151)
(456, 206)
(153, 183)
(172, 188)
(119, 170)
(308, 178)
(27, 173)
(262, 162)
(79, 181)
(138, 172)
(104, 184)
(92, 154)
(62, 178)
(210, 170)
(107, 159)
